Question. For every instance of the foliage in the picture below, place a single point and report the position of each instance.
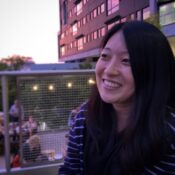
(12, 63)
(154, 19)
(88, 64)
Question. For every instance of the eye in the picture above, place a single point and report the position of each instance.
(104, 56)
(126, 61)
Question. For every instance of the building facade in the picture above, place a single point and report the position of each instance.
(83, 23)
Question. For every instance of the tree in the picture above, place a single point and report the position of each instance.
(11, 63)
(154, 19)
(14, 62)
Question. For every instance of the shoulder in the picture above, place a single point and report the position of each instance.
(81, 115)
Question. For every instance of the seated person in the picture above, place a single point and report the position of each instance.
(32, 149)
(30, 126)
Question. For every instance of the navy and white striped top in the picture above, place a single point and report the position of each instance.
(74, 160)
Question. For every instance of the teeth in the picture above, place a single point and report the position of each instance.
(111, 84)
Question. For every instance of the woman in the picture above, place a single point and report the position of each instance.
(128, 125)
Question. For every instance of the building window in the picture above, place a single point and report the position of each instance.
(132, 16)
(112, 24)
(62, 35)
(101, 32)
(84, 1)
(98, 10)
(71, 45)
(65, 12)
(92, 36)
(167, 13)
(79, 7)
(88, 37)
(124, 19)
(95, 35)
(74, 29)
(63, 50)
(80, 43)
(146, 13)
(91, 15)
(84, 39)
(75, 44)
(139, 15)
(79, 24)
(84, 20)
(113, 6)
(70, 13)
(88, 17)
(102, 8)
(75, 9)
(95, 13)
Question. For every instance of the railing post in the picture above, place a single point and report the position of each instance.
(4, 82)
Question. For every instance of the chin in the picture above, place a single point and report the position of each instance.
(107, 100)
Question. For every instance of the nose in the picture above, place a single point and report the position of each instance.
(112, 67)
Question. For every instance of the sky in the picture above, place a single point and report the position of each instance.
(29, 28)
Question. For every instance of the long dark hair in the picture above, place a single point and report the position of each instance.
(153, 68)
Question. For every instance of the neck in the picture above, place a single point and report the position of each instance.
(123, 114)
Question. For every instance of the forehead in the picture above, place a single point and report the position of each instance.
(116, 42)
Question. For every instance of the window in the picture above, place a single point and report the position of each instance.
(62, 35)
(70, 13)
(75, 44)
(71, 45)
(80, 43)
(65, 12)
(84, 20)
(84, 39)
(95, 35)
(113, 6)
(79, 24)
(101, 32)
(167, 13)
(79, 7)
(98, 10)
(102, 8)
(84, 1)
(112, 24)
(88, 17)
(88, 38)
(123, 19)
(74, 29)
(91, 15)
(63, 50)
(132, 16)
(146, 13)
(139, 15)
(94, 13)
(92, 36)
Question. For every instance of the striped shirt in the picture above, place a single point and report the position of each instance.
(74, 160)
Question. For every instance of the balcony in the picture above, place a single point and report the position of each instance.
(48, 97)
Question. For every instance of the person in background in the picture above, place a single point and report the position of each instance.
(30, 126)
(16, 111)
(32, 149)
(128, 125)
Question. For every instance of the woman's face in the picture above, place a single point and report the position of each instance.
(114, 77)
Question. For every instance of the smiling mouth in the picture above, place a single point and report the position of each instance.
(111, 84)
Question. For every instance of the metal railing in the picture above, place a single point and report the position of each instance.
(48, 97)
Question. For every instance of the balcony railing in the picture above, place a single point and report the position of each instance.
(46, 98)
